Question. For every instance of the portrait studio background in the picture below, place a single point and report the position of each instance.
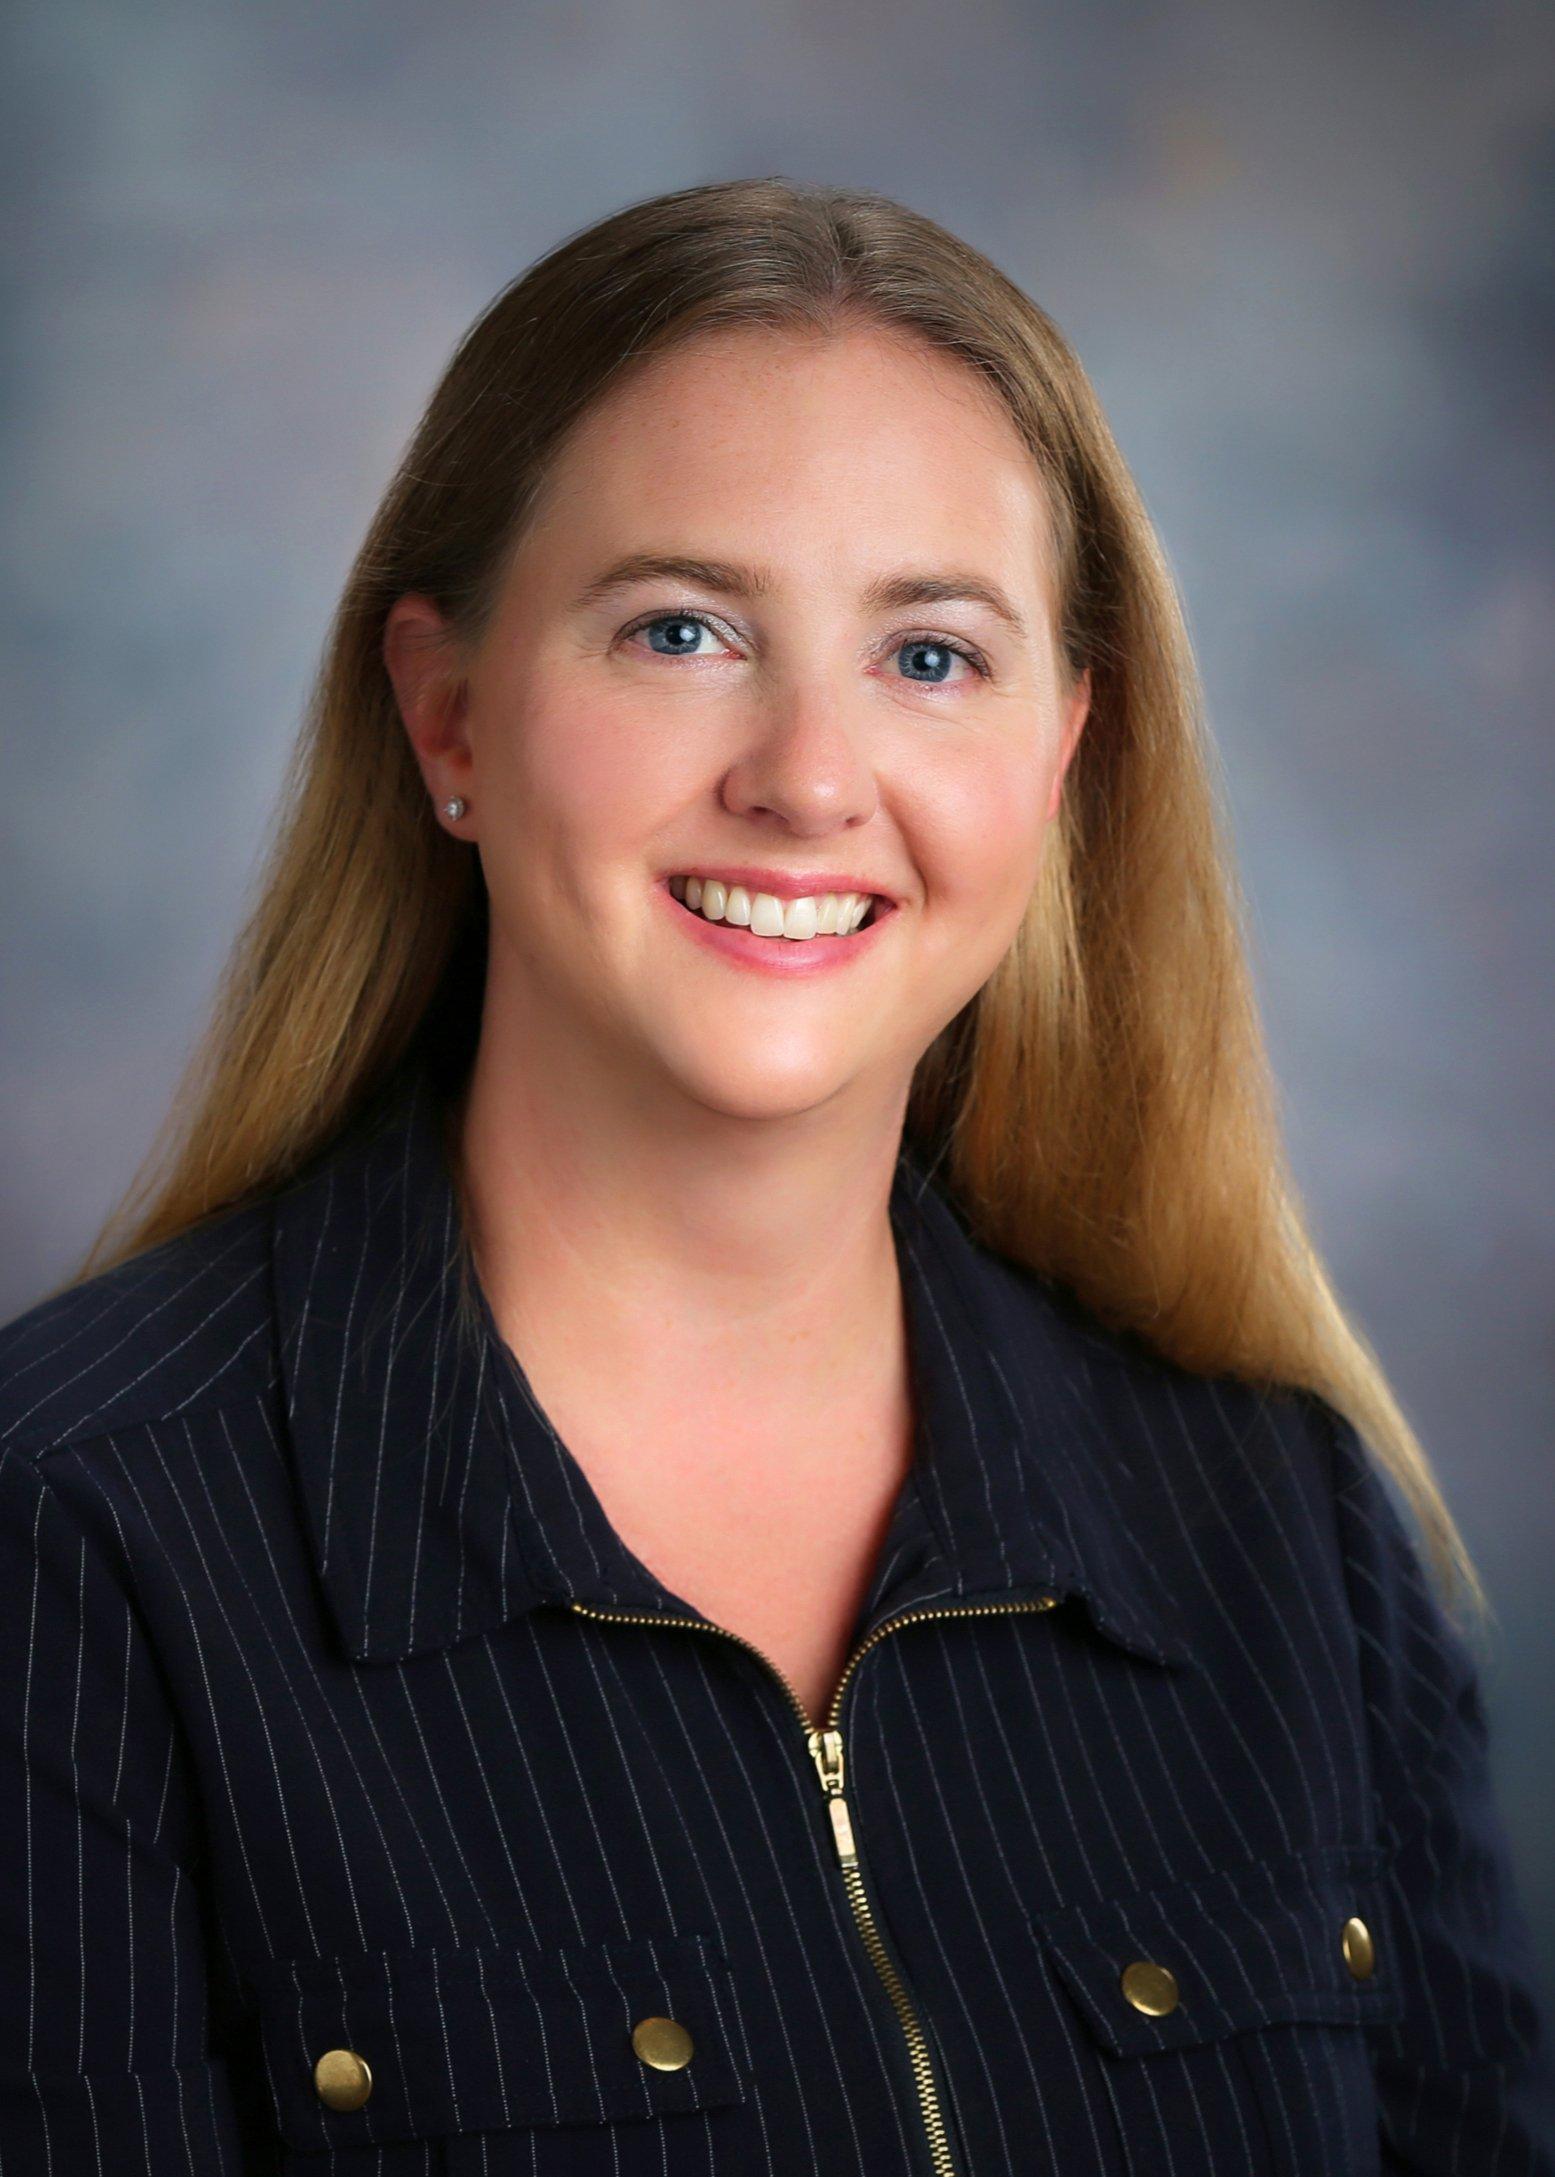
(1301, 253)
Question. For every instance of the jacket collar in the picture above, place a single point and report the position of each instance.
(440, 1503)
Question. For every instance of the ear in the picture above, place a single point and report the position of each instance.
(1076, 710)
(423, 666)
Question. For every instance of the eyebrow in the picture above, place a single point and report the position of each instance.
(887, 593)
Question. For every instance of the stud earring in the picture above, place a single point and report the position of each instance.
(454, 809)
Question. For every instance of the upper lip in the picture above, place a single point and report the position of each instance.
(787, 884)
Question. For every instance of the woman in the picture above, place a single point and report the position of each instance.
(717, 1518)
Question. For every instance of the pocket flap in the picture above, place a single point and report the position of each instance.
(484, 2038)
(1244, 1947)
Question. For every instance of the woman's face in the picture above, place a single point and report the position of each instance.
(819, 692)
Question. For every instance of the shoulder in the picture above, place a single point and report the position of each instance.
(1204, 1448)
(183, 1326)
(1252, 1508)
(1262, 1504)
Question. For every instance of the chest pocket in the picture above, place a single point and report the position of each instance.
(462, 2043)
(1228, 2014)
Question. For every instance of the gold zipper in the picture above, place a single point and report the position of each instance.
(825, 1744)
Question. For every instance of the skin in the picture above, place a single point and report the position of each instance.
(677, 1172)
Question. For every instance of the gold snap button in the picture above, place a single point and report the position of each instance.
(1150, 1988)
(342, 2079)
(1360, 1952)
(662, 2043)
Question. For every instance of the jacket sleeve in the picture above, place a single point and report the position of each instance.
(1464, 2077)
(104, 2062)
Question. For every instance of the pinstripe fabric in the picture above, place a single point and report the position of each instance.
(302, 1746)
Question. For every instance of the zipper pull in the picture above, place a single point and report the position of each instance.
(826, 1750)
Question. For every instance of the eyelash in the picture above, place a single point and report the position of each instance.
(974, 658)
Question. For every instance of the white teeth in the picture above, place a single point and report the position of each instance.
(765, 915)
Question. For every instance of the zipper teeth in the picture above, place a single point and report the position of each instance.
(917, 2046)
(705, 1625)
(853, 1881)
(913, 1617)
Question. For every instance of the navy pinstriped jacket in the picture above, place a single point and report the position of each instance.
(368, 1808)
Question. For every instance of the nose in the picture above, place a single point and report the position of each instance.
(805, 760)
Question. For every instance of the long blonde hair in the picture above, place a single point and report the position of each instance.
(1102, 1109)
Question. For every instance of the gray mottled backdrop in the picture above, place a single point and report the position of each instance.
(1303, 252)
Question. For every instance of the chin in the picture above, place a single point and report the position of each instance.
(755, 1091)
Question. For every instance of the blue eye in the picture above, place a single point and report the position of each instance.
(936, 655)
(682, 625)
(932, 653)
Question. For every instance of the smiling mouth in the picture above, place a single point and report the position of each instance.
(764, 915)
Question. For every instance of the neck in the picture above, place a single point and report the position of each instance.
(682, 1270)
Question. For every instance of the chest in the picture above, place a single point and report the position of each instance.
(484, 1867)
(513, 1853)
(779, 1550)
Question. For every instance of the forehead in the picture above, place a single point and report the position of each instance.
(820, 455)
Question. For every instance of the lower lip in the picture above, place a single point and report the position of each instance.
(775, 955)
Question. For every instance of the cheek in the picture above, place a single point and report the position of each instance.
(574, 770)
(988, 827)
